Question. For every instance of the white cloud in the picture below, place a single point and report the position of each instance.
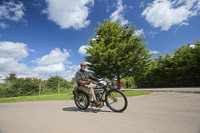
(43, 72)
(74, 67)
(118, 15)
(13, 50)
(10, 53)
(69, 13)
(2, 78)
(165, 13)
(32, 50)
(12, 65)
(154, 52)
(141, 4)
(183, 23)
(50, 69)
(56, 56)
(52, 62)
(198, 5)
(69, 74)
(36, 4)
(107, 6)
(139, 32)
(3, 25)
(12, 11)
(152, 33)
(188, 3)
(82, 51)
(130, 7)
(192, 45)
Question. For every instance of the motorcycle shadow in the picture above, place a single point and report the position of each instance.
(89, 110)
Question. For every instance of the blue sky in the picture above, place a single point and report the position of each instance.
(43, 38)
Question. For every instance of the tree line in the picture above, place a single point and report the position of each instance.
(14, 87)
(181, 69)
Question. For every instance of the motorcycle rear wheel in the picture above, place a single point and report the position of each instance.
(81, 100)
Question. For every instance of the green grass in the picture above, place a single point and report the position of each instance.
(38, 98)
(135, 93)
(131, 93)
(65, 96)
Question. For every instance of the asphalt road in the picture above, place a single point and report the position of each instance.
(159, 112)
(180, 90)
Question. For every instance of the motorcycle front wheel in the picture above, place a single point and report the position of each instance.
(116, 100)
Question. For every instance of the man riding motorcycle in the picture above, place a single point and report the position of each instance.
(82, 80)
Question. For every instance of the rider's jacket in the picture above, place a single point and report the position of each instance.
(83, 76)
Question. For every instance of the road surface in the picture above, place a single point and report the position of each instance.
(159, 112)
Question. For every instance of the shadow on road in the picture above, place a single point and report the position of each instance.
(90, 110)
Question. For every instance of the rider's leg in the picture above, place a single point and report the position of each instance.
(91, 91)
(92, 95)
(91, 85)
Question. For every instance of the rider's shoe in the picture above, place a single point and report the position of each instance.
(97, 103)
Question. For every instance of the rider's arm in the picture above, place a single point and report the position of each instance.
(92, 77)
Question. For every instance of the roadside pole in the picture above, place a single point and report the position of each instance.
(40, 86)
(58, 87)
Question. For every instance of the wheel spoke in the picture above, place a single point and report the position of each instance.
(82, 101)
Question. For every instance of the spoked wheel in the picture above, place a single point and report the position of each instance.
(116, 100)
(81, 100)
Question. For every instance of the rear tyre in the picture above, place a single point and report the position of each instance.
(116, 100)
(81, 100)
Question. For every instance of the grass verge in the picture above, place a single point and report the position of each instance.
(65, 96)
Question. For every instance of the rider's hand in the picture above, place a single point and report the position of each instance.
(84, 82)
(87, 82)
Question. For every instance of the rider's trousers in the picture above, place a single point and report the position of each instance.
(90, 89)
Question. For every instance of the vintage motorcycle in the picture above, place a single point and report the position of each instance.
(114, 98)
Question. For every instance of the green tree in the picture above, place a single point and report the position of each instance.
(11, 77)
(115, 52)
(187, 61)
(25, 86)
(72, 82)
(6, 89)
(178, 70)
(52, 82)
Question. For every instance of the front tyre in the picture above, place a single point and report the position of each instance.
(81, 100)
(116, 100)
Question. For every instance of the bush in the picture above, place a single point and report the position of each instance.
(6, 89)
